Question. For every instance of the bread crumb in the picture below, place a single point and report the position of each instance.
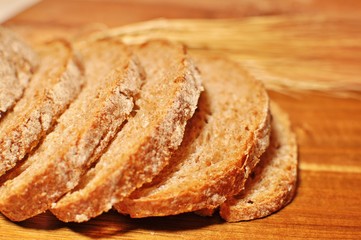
(216, 198)
(81, 218)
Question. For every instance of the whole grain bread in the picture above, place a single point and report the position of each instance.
(145, 144)
(222, 144)
(54, 86)
(272, 184)
(17, 64)
(113, 79)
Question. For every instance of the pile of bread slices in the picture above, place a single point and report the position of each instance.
(145, 129)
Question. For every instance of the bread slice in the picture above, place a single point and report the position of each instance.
(222, 144)
(17, 64)
(272, 184)
(54, 86)
(113, 79)
(143, 147)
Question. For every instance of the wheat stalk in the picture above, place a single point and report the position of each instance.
(299, 53)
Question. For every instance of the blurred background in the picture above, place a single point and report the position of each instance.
(306, 52)
(115, 12)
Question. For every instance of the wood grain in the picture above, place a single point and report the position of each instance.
(328, 200)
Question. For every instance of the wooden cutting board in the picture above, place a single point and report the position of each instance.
(328, 200)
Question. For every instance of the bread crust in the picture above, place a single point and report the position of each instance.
(54, 86)
(17, 64)
(273, 182)
(143, 147)
(83, 132)
(204, 168)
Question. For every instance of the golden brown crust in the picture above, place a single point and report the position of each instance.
(273, 181)
(221, 153)
(54, 86)
(17, 64)
(83, 132)
(143, 147)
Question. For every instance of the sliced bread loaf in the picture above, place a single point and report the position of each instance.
(145, 144)
(272, 184)
(53, 87)
(222, 144)
(17, 64)
(113, 78)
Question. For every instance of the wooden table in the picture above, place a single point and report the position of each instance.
(328, 200)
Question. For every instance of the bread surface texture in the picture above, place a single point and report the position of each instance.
(272, 184)
(18, 61)
(149, 130)
(222, 144)
(144, 145)
(112, 79)
(54, 86)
